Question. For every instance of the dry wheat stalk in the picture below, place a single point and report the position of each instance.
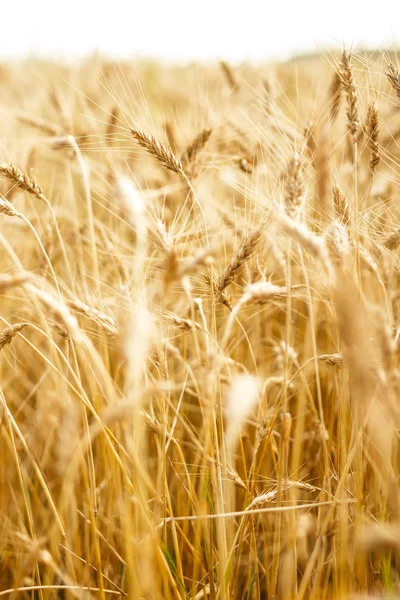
(21, 179)
(349, 84)
(7, 334)
(154, 147)
(373, 136)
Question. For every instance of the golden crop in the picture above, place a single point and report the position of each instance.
(199, 343)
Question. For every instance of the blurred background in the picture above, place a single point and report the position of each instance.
(182, 30)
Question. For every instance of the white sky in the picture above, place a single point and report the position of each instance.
(199, 29)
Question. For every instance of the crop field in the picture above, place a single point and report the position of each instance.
(200, 329)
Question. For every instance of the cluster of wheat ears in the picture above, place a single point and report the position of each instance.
(199, 347)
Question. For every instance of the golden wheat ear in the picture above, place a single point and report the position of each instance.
(21, 179)
(340, 206)
(349, 84)
(238, 260)
(335, 96)
(294, 184)
(393, 76)
(373, 132)
(229, 75)
(7, 334)
(191, 152)
(157, 149)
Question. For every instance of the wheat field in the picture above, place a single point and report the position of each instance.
(200, 323)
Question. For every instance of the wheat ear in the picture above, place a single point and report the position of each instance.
(349, 84)
(157, 149)
(393, 75)
(373, 137)
(241, 256)
(191, 152)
